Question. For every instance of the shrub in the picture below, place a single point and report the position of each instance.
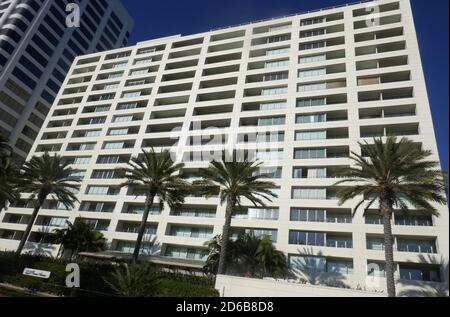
(173, 288)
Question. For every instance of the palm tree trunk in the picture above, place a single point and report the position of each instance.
(141, 231)
(388, 247)
(30, 224)
(231, 203)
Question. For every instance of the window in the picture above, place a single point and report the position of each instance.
(131, 94)
(307, 263)
(420, 221)
(304, 154)
(278, 76)
(341, 267)
(274, 91)
(279, 27)
(312, 72)
(114, 145)
(103, 174)
(258, 213)
(310, 135)
(273, 106)
(315, 118)
(309, 193)
(271, 121)
(415, 246)
(123, 131)
(375, 244)
(276, 64)
(311, 102)
(280, 38)
(312, 59)
(123, 119)
(311, 21)
(309, 172)
(127, 106)
(110, 159)
(307, 215)
(307, 238)
(419, 274)
(311, 87)
(278, 51)
(81, 160)
(310, 46)
(97, 190)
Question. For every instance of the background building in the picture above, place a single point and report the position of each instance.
(36, 51)
(312, 85)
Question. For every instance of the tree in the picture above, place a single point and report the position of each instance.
(155, 175)
(5, 148)
(248, 255)
(8, 175)
(234, 181)
(396, 175)
(79, 237)
(133, 280)
(46, 176)
(8, 183)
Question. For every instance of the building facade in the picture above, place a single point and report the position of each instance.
(297, 92)
(37, 47)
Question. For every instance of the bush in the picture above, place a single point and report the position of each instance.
(93, 276)
(173, 288)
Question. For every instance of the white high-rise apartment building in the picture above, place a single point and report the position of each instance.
(37, 47)
(305, 89)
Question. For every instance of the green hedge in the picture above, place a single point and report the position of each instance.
(93, 279)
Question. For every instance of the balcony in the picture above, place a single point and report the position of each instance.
(322, 101)
(322, 31)
(387, 112)
(313, 193)
(94, 206)
(133, 227)
(218, 83)
(180, 65)
(160, 128)
(194, 212)
(186, 43)
(54, 135)
(220, 70)
(321, 44)
(166, 114)
(382, 8)
(384, 78)
(315, 58)
(388, 94)
(327, 134)
(382, 63)
(211, 124)
(216, 96)
(225, 47)
(326, 85)
(390, 130)
(381, 21)
(321, 117)
(178, 76)
(175, 88)
(223, 58)
(96, 109)
(267, 77)
(322, 71)
(213, 110)
(159, 142)
(321, 153)
(262, 122)
(264, 106)
(227, 36)
(322, 19)
(194, 232)
(272, 28)
(271, 39)
(316, 172)
(380, 48)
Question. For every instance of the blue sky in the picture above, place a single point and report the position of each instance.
(155, 19)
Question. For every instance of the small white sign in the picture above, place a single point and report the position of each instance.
(36, 273)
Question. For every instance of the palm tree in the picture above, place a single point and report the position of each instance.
(155, 175)
(248, 254)
(234, 181)
(46, 176)
(133, 280)
(79, 237)
(394, 174)
(5, 148)
(8, 183)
